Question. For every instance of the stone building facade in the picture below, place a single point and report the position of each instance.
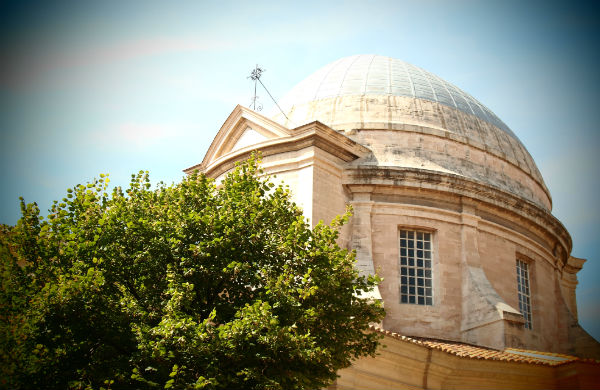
(449, 208)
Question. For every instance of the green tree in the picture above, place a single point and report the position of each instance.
(192, 285)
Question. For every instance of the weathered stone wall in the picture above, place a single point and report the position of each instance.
(474, 268)
(443, 318)
(329, 197)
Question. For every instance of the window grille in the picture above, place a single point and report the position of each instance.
(524, 292)
(415, 267)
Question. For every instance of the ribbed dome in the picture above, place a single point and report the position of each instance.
(377, 75)
(369, 92)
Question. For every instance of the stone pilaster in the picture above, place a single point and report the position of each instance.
(361, 240)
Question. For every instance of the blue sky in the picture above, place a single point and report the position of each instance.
(115, 87)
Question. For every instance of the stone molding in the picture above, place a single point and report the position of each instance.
(220, 158)
(536, 218)
(410, 114)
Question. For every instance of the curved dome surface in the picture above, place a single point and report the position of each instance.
(370, 92)
(378, 75)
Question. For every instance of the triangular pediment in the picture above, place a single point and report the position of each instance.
(249, 137)
(245, 131)
(243, 128)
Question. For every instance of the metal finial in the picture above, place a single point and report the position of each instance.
(256, 73)
(255, 76)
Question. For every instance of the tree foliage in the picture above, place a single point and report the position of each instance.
(191, 285)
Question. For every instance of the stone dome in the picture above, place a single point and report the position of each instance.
(362, 95)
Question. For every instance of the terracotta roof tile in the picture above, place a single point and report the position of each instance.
(476, 352)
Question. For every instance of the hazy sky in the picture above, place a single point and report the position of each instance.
(115, 87)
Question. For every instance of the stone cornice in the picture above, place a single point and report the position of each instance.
(232, 128)
(385, 177)
(313, 134)
(574, 264)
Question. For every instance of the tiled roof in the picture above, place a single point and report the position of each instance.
(483, 353)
